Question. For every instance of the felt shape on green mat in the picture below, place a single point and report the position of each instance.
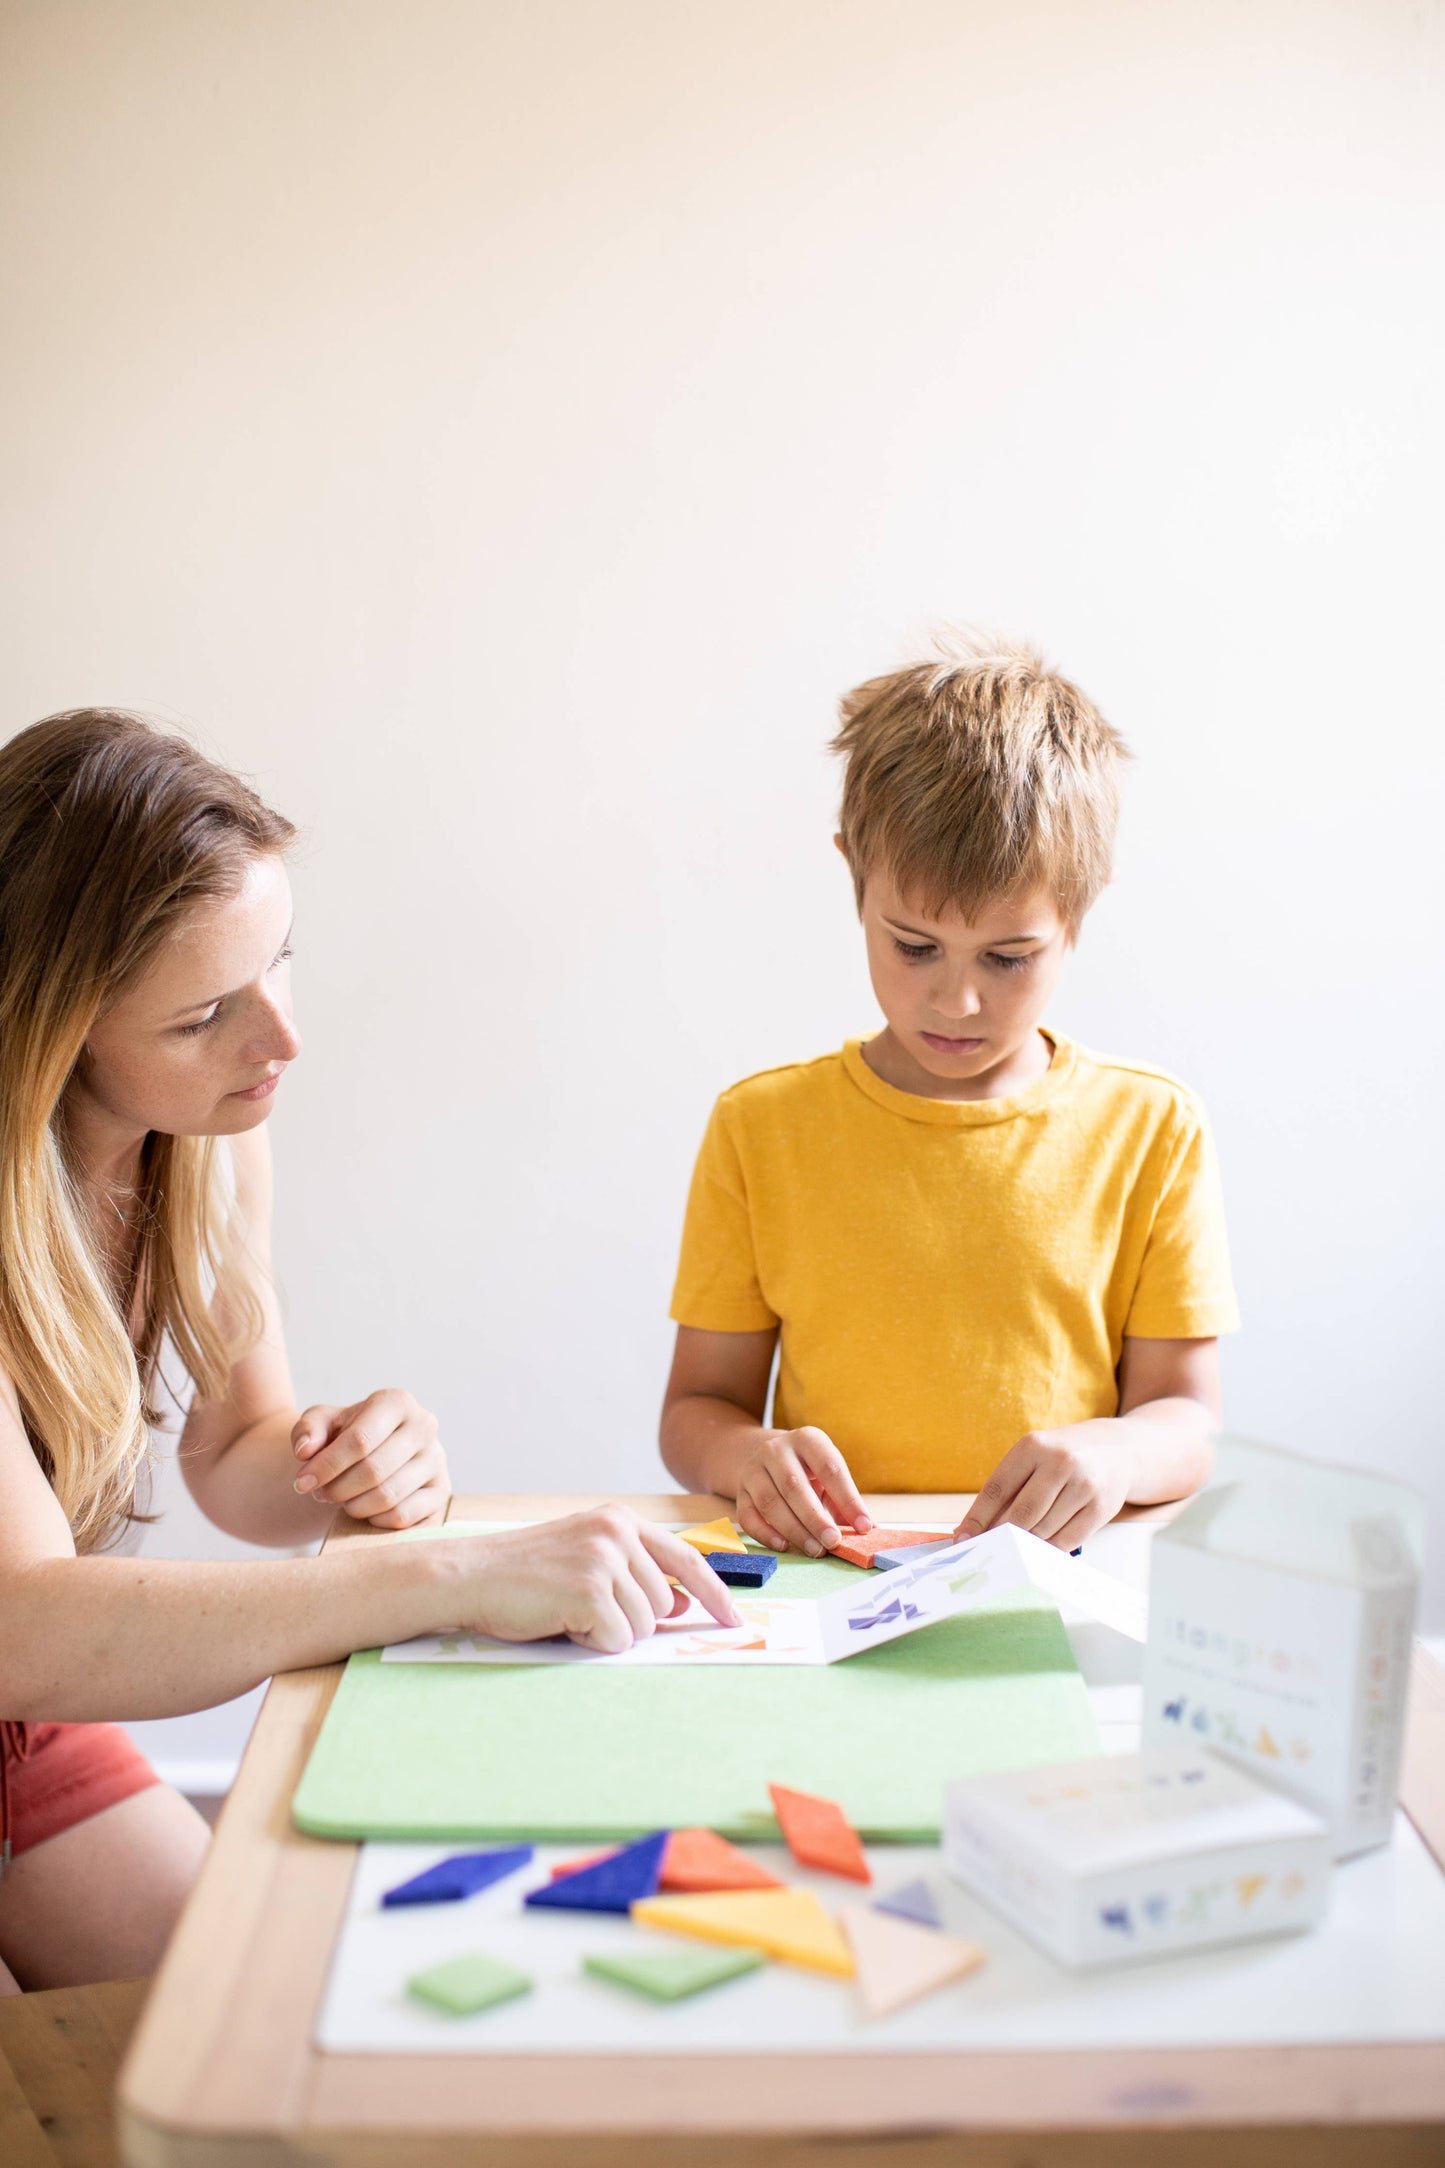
(597, 1755)
(671, 1975)
(465, 1984)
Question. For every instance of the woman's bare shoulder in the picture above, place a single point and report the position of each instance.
(33, 1524)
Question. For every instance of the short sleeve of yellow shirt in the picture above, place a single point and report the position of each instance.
(946, 1275)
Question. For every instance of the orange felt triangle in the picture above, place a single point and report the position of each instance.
(698, 1860)
(575, 1866)
(860, 1550)
(819, 1834)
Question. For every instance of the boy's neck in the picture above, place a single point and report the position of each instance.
(891, 1060)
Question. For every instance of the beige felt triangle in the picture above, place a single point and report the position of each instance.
(898, 1962)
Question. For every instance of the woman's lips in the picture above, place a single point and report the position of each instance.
(263, 1090)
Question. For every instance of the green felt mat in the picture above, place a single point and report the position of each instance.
(573, 1752)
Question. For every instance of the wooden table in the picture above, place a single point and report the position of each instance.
(223, 2074)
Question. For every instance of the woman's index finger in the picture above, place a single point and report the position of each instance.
(681, 1563)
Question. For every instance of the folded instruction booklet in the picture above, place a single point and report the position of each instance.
(969, 1576)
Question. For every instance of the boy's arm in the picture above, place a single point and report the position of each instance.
(1065, 1483)
(792, 1487)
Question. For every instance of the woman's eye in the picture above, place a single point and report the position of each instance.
(284, 957)
(188, 1031)
(915, 953)
(1011, 963)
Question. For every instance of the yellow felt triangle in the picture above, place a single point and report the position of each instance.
(713, 1536)
(898, 1962)
(789, 1924)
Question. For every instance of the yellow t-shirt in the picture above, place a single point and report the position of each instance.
(948, 1275)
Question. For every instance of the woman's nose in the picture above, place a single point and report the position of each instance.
(283, 1040)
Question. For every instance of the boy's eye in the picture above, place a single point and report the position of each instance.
(1011, 963)
(914, 951)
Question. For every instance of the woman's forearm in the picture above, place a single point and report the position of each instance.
(85, 1639)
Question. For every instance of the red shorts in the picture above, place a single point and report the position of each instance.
(55, 1775)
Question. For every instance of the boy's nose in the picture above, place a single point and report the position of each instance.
(957, 1002)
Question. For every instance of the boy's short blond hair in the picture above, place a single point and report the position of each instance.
(979, 775)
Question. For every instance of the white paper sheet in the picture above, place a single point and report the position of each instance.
(967, 1577)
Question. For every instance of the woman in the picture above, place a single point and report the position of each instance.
(145, 1024)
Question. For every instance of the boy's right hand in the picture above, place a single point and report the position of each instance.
(602, 1577)
(795, 1493)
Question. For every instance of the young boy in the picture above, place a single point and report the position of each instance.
(989, 1260)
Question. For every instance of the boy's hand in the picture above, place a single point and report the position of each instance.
(795, 1493)
(380, 1460)
(603, 1577)
(1061, 1484)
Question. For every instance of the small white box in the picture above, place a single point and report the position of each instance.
(1281, 1605)
(1127, 1856)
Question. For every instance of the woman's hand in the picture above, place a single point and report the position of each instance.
(1062, 1484)
(380, 1460)
(795, 1493)
(601, 1577)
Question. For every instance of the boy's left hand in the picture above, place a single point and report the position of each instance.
(380, 1460)
(1062, 1484)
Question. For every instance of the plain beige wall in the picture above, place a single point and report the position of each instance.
(504, 429)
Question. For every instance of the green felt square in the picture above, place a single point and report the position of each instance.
(465, 1984)
(671, 1975)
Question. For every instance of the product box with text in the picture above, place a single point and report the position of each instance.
(1122, 1857)
(1281, 1607)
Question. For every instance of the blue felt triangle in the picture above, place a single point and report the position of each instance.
(460, 1876)
(613, 1884)
(914, 1901)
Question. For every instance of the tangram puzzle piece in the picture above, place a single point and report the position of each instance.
(913, 1901)
(861, 1549)
(589, 1859)
(697, 1860)
(819, 1834)
(907, 1554)
(751, 1570)
(669, 1976)
(465, 1984)
(898, 1962)
(713, 1536)
(609, 1885)
(788, 1924)
(460, 1876)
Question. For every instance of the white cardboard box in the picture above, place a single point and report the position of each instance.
(1281, 1606)
(1142, 1855)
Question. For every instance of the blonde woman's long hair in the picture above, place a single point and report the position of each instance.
(109, 831)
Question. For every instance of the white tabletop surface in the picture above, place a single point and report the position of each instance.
(1372, 1972)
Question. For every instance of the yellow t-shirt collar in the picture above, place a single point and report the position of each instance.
(963, 1113)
